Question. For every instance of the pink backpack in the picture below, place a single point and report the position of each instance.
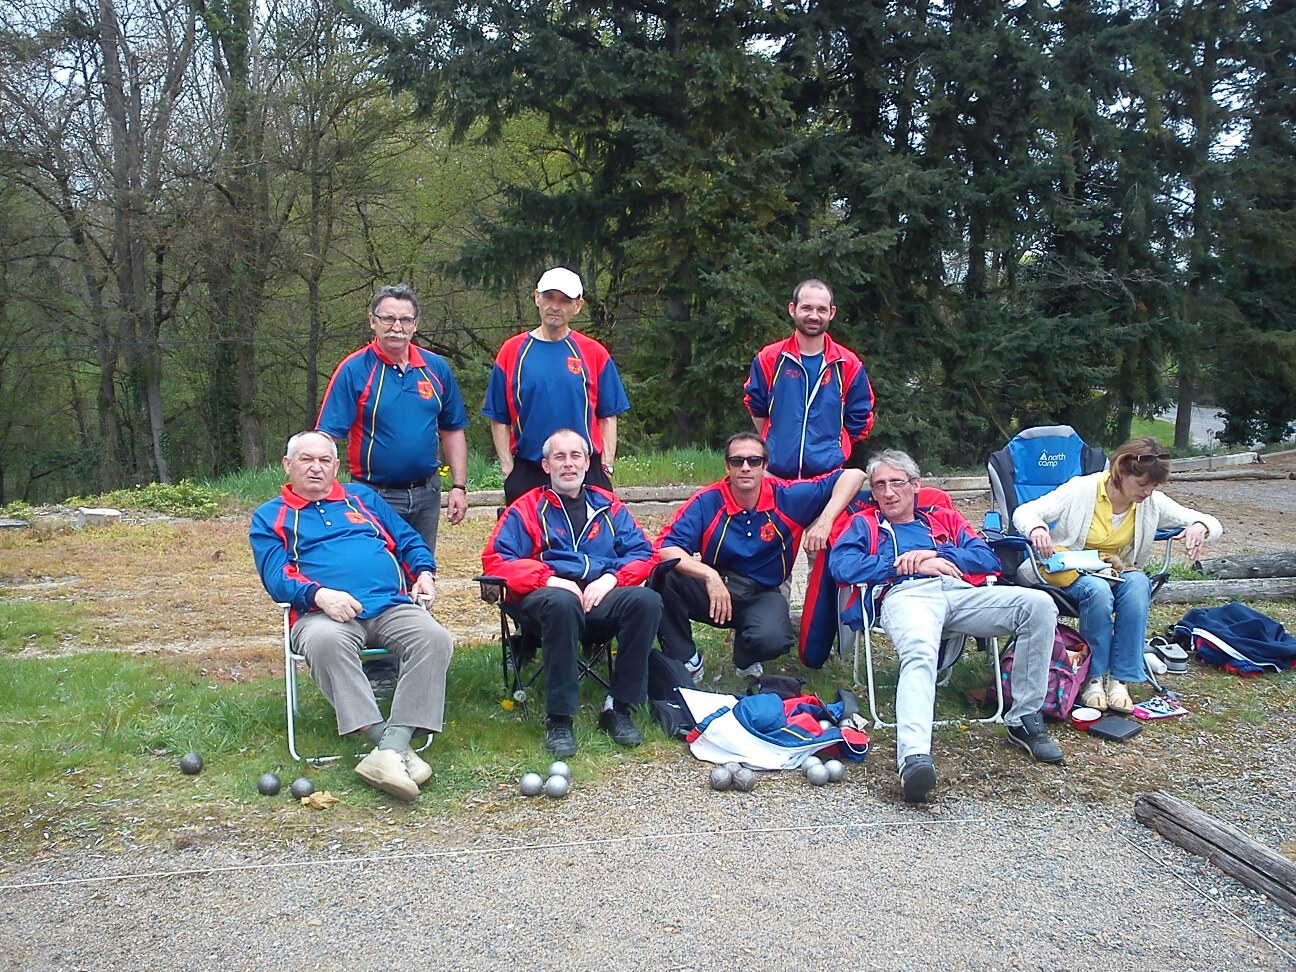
(1068, 672)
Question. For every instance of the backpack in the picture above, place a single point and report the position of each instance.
(666, 676)
(1068, 671)
(1238, 639)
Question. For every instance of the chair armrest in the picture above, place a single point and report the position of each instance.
(493, 589)
(1167, 533)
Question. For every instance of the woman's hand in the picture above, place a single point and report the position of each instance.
(1042, 541)
(1193, 538)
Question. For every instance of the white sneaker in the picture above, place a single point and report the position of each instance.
(385, 769)
(696, 667)
(754, 670)
(417, 768)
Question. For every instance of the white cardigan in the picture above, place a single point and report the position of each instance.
(1071, 507)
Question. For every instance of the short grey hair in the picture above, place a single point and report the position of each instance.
(545, 449)
(896, 460)
(295, 443)
(395, 292)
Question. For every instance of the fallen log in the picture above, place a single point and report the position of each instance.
(1243, 473)
(1232, 851)
(1250, 565)
(1258, 588)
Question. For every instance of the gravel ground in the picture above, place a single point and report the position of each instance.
(651, 870)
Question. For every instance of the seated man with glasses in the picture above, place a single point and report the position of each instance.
(736, 542)
(926, 564)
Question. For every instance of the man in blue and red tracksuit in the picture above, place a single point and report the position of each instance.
(351, 569)
(394, 402)
(553, 378)
(745, 531)
(927, 565)
(575, 557)
(809, 397)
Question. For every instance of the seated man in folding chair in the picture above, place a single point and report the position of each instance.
(925, 565)
(575, 557)
(351, 568)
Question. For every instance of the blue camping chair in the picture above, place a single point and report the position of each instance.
(1035, 462)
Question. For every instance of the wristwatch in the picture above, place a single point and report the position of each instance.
(608, 468)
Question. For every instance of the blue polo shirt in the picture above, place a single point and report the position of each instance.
(760, 543)
(538, 387)
(349, 541)
(391, 418)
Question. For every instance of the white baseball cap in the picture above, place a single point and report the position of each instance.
(560, 278)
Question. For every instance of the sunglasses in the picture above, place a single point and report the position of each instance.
(1150, 457)
(737, 462)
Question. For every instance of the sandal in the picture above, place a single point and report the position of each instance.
(1094, 696)
(1118, 697)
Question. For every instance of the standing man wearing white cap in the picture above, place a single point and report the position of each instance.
(553, 378)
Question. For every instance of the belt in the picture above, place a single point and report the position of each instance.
(417, 484)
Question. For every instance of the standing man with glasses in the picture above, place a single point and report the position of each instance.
(395, 403)
(926, 566)
(552, 378)
(735, 542)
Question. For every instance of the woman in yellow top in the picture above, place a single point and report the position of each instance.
(1116, 512)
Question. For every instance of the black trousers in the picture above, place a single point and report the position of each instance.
(628, 613)
(761, 622)
(527, 475)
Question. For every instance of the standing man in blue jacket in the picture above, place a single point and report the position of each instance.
(351, 569)
(927, 566)
(809, 397)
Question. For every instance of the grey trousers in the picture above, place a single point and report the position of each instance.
(332, 651)
(914, 615)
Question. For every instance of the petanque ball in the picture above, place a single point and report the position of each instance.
(556, 786)
(744, 780)
(732, 767)
(559, 768)
(836, 770)
(301, 788)
(191, 764)
(531, 784)
(721, 778)
(268, 784)
(825, 724)
(817, 774)
(811, 761)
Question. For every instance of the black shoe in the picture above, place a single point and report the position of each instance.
(618, 724)
(1030, 736)
(560, 741)
(917, 777)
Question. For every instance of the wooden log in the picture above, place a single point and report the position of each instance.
(1250, 565)
(1228, 848)
(1259, 588)
(1246, 472)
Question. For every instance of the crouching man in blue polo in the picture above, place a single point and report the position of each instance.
(926, 564)
(351, 569)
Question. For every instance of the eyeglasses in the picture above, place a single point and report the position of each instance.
(894, 485)
(1150, 457)
(390, 319)
(737, 462)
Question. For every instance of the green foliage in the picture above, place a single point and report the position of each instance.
(193, 500)
(18, 510)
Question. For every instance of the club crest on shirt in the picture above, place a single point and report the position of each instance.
(425, 389)
(574, 366)
(791, 374)
(768, 533)
(594, 531)
(827, 377)
(355, 516)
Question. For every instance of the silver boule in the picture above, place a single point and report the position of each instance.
(811, 761)
(557, 787)
(559, 768)
(817, 774)
(721, 778)
(744, 780)
(733, 767)
(531, 784)
(836, 770)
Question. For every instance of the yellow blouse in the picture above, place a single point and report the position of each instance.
(1103, 537)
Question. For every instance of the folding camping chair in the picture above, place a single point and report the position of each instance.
(1035, 462)
(520, 646)
(291, 701)
(952, 648)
